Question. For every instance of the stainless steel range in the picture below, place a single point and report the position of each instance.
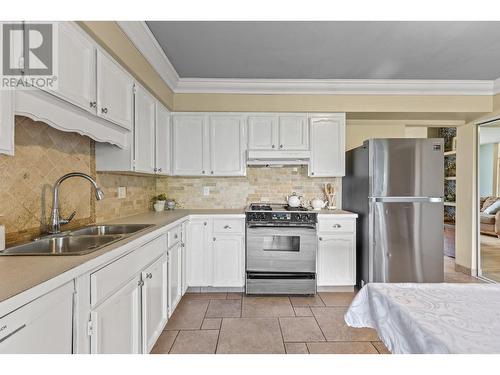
(281, 248)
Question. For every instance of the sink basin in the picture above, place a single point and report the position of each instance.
(102, 230)
(63, 245)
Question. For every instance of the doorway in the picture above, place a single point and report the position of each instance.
(488, 187)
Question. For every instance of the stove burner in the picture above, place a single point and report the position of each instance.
(260, 207)
(288, 208)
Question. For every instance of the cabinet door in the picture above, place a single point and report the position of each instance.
(7, 122)
(76, 67)
(154, 302)
(43, 326)
(144, 131)
(327, 146)
(227, 151)
(197, 251)
(116, 322)
(336, 260)
(184, 257)
(115, 90)
(293, 133)
(188, 145)
(163, 140)
(228, 261)
(174, 277)
(262, 132)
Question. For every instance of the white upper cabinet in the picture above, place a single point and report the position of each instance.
(227, 140)
(188, 132)
(262, 132)
(144, 131)
(114, 92)
(163, 140)
(278, 132)
(208, 145)
(327, 145)
(293, 134)
(76, 67)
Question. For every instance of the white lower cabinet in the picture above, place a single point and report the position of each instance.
(336, 261)
(174, 277)
(43, 326)
(154, 302)
(115, 324)
(198, 253)
(228, 259)
(215, 252)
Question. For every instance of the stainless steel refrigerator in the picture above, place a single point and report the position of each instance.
(396, 187)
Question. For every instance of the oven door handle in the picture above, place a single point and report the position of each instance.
(313, 227)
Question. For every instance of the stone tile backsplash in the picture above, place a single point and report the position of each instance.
(260, 184)
(43, 154)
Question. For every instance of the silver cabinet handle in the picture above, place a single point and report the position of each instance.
(104, 110)
(227, 226)
(205, 223)
(155, 169)
(176, 236)
(321, 238)
(140, 283)
(93, 104)
(281, 146)
(149, 275)
(12, 333)
(312, 173)
(211, 172)
(214, 238)
(159, 169)
(337, 226)
(202, 172)
(273, 146)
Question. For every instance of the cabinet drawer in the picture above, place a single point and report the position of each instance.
(228, 226)
(174, 236)
(108, 279)
(336, 225)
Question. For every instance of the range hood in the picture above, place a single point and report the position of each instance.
(278, 157)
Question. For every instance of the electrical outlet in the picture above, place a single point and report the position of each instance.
(206, 190)
(122, 192)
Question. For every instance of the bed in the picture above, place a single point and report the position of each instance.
(430, 318)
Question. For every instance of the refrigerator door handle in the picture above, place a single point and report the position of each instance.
(406, 199)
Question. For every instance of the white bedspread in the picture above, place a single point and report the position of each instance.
(430, 318)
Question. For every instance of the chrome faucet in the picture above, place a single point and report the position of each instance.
(55, 219)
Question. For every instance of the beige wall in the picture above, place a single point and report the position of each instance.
(333, 103)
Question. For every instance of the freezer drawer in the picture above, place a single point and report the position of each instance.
(406, 242)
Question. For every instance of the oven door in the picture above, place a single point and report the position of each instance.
(281, 249)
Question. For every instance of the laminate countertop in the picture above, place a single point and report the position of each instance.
(21, 273)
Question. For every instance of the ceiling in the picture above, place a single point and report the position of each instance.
(331, 50)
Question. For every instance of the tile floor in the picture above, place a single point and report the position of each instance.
(233, 323)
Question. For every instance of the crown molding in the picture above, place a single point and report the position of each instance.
(142, 37)
(335, 86)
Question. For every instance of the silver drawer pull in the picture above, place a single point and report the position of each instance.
(176, 236)
(337, 226)
(227, 226)
(12, 333)
(149, 275)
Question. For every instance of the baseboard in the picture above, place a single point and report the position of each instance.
(212, 289)
(347, 288)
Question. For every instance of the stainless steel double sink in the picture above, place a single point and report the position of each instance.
(76, 242)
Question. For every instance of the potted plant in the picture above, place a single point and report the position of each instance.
(159, 202)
